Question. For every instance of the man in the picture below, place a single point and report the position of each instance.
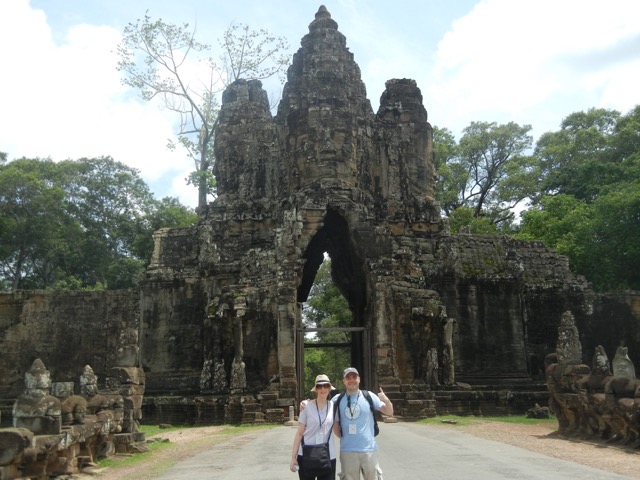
(355, 426)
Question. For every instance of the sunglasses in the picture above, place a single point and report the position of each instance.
(324, 385)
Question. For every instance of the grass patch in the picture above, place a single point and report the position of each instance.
(134, 458)
(127, 460)
(151, 430)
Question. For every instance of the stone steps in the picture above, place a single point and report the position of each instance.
(411, 401)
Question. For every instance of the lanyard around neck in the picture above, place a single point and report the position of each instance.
(320, 421)
(349, 402)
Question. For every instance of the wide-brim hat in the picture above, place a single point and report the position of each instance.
(322, 380)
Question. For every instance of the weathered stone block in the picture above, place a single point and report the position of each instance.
(13, 442)
(118, 376)
(40, 425)
(133, 402)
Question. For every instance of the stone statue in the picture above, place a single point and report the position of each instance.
(568, 346)
(432, 367)
(36, 409)
(219, 380)
(88, 382)
(622, 364)
(238, 383)
(448, 367)
(600, 364)
(74, 410)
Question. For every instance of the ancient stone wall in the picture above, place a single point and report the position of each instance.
(66, 330)
(327, 174)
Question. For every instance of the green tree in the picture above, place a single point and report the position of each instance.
(589, 206)
(452, 177)
(500, 174)
(156, 58)
(83, 224)
(561, 222)
(168, 212)
(488, 172)
(581, 157)
(35, 231)
(252, 54)
(462, 219)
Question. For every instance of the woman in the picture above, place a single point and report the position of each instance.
(315, 425)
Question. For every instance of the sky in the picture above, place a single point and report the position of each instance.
(533, 62)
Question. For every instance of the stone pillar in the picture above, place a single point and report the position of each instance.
(238, 380)
(448, 363)
(286, 347)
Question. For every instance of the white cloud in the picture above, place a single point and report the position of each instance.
(67, 101)
(506, 59)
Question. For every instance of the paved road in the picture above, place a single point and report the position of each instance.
(407, 451)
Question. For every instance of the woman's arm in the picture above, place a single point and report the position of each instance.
(296, 446)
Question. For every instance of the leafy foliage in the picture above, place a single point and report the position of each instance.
(253, 54)
(487, 173)
(581, 184)
(589, 204)
(78, 225)
(156, 58)
(579, 158)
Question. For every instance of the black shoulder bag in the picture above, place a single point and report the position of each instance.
(316, 460)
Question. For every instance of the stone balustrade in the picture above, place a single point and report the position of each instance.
(57, 432)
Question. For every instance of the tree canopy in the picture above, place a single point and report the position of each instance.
(588, 207)
(84, 224)
(484, 176)
(577, 189)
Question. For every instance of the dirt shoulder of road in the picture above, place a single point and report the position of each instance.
(177, 445)
(541, 438)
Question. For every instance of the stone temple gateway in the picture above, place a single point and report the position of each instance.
(221, 302)
(444, 323)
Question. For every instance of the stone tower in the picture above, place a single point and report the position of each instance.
(221, 302)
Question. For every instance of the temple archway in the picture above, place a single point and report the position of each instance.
(349, 277)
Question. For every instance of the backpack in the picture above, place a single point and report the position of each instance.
(367, 395)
